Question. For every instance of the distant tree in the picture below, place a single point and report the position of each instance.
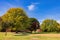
(58, 27)
(34, 24)
(49, 25)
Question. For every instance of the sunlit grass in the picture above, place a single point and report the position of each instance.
(13, 36)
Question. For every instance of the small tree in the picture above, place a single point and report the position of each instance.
(49, 25)
(34, 24)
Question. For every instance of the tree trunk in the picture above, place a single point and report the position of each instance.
(6, 33)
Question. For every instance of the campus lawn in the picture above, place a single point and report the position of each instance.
(13, 36)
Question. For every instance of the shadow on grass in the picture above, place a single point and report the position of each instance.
(21, 34)
(25, 34)
(47, 33)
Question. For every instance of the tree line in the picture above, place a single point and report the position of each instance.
(16, 20)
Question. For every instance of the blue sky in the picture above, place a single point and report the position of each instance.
(39, 9)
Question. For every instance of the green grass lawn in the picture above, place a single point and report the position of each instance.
(13, 36)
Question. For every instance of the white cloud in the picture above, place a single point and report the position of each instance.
(31, 7)
(58, 21)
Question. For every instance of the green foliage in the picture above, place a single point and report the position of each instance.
(0, 23)
(16, 17)
(49, 25)
(34, 24)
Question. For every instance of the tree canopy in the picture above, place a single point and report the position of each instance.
(34, 24)
(49, 25)
(16, 17)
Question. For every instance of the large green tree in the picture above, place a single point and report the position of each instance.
(16, 17)
(49, 25)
